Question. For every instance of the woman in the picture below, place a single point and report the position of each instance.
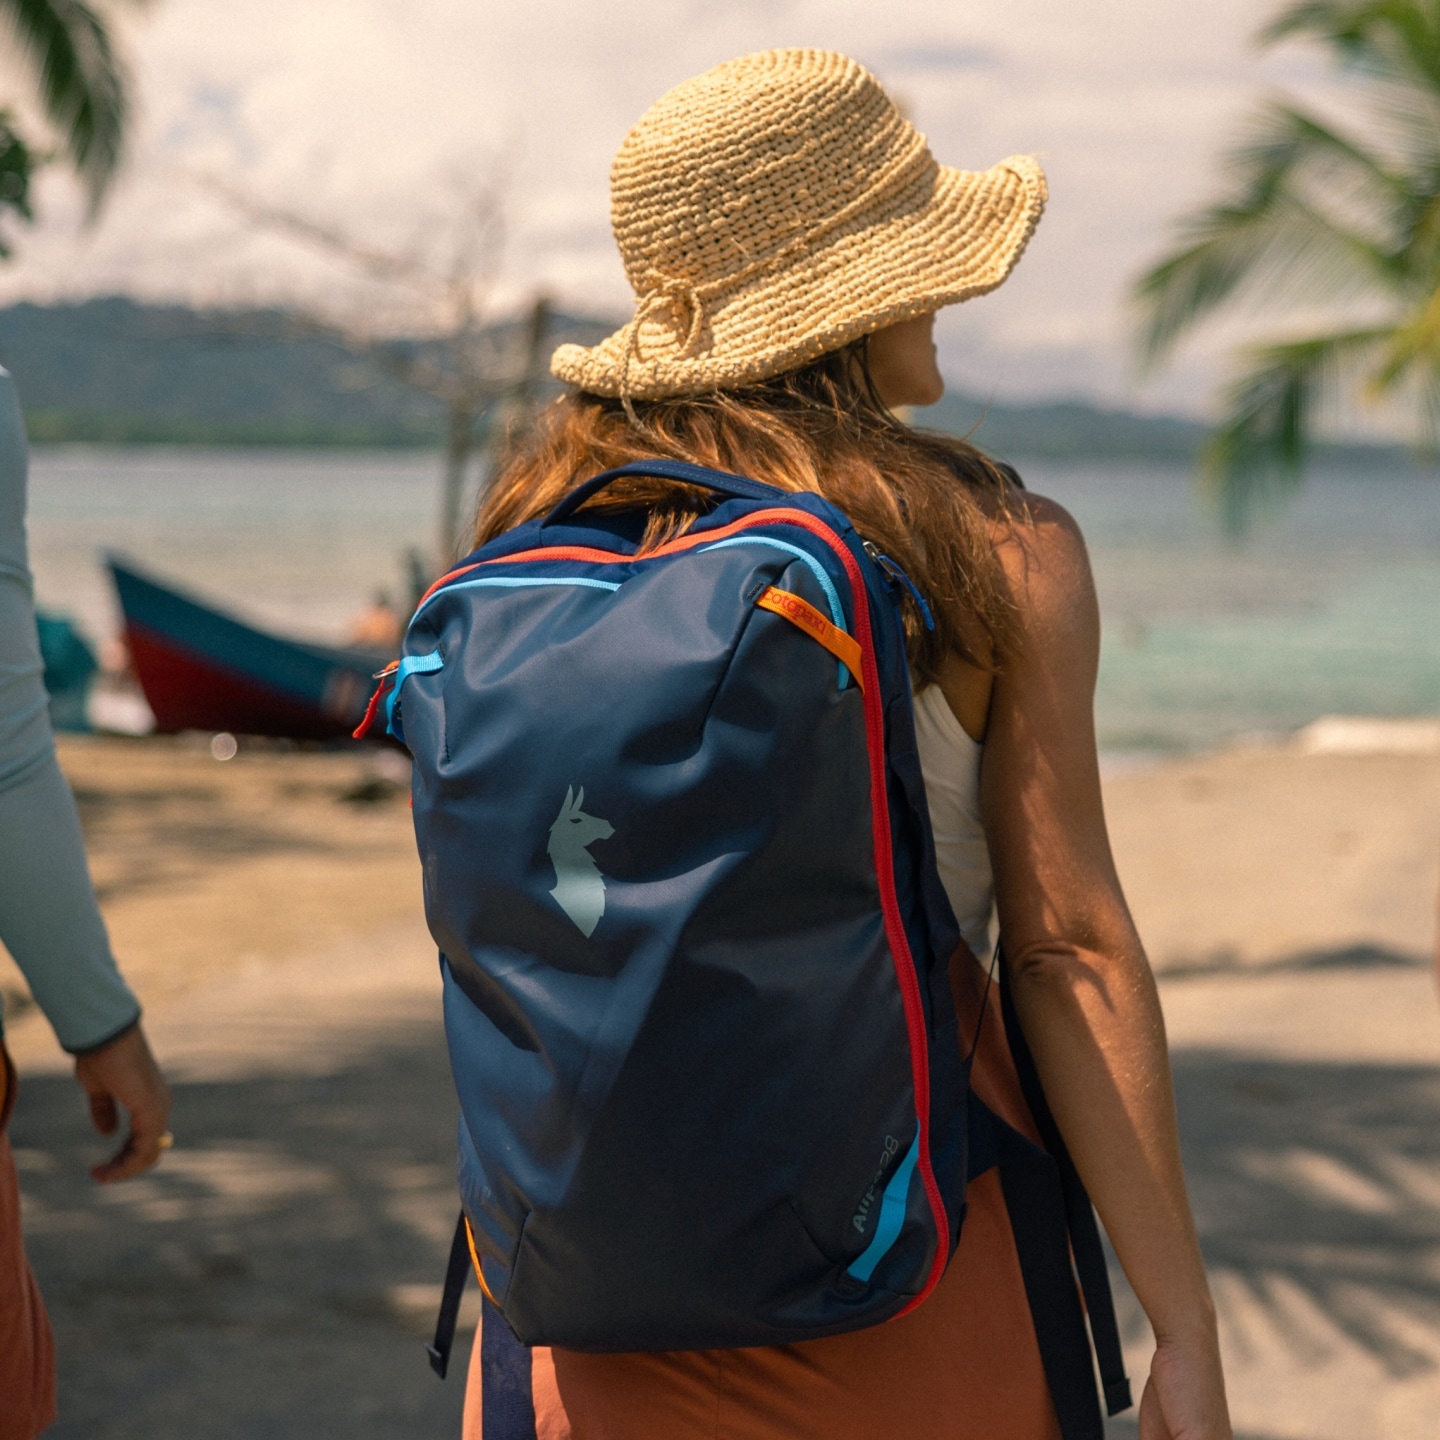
(789, 238)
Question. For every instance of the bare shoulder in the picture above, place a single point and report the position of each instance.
(1046, 567)
(1039, 532)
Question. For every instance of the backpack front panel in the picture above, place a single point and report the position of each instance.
(708, 909)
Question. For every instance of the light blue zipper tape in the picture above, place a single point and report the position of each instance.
(892, 1216)
(521, 582)
(516, 582)
(817, 569)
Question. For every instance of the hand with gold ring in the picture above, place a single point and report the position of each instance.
(124, 1075)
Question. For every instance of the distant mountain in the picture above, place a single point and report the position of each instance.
(117, 372)
(114, 371)
(1074, 430)
(1068, 430)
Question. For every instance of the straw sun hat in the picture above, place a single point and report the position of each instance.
(779, 207)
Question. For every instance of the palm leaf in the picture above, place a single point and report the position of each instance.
(1316, 215)
(1395, 45)
(1413, 347)
(82, 82)
(1258, 453)
(1272, 237)
(17, 168)
(1391, 39)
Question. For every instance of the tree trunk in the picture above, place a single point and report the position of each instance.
(459, 442)
(511, 405)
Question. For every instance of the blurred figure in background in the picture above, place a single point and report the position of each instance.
(50, 923)
(378, 626)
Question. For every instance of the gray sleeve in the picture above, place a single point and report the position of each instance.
(49, 919)
(24, 714)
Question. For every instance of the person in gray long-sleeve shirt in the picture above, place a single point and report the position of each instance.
(50, 923)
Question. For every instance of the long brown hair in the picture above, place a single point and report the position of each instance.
(914, 494)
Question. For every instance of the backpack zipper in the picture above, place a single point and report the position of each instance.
(896, 576)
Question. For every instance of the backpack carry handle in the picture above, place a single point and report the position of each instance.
(736, 487)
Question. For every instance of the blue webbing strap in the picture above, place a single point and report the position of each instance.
(1079, 1215)
(1036, 1207)
(506, 1394)
(410, 665)
(507, 1402)
(720, 481)
(457, 1272)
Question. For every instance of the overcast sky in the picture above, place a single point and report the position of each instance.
(361, 110)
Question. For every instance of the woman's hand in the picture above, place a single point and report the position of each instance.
(1184, 1397)
(124, 1075)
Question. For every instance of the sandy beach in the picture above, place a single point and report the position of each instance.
(276, 1275)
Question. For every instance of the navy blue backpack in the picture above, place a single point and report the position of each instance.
(678, 863)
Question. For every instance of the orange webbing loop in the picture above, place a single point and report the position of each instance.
(800, 612)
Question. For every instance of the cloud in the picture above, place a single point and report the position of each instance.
(361, 111)
(949, 58)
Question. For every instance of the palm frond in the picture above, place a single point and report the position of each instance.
(1388, 39)
(1393, 45)
(17, 168)
(1258, 453)
(1420, 255)
(1411, 347)
(1272, 235)
(1287, 139)
(1317, 215)
(82, 82)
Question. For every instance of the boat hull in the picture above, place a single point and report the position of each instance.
(202, 669)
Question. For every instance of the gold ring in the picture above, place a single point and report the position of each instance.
(165, 1141)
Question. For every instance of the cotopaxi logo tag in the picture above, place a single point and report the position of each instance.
(579, 886)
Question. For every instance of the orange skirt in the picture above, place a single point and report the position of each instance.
(27, 1350)
(964, 1366)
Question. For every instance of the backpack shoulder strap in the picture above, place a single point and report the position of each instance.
(1035, 1207)
(1079, 1214)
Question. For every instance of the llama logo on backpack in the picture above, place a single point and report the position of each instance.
(579, 886)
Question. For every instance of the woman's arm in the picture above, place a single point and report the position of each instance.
(1083, 988)
(49, 919)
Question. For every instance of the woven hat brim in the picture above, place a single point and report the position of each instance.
(961, 241)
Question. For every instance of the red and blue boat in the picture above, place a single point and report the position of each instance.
(203, 669)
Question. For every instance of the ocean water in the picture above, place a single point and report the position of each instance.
(1330, 607)
(295, 539)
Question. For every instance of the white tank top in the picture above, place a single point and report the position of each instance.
(950, 763)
